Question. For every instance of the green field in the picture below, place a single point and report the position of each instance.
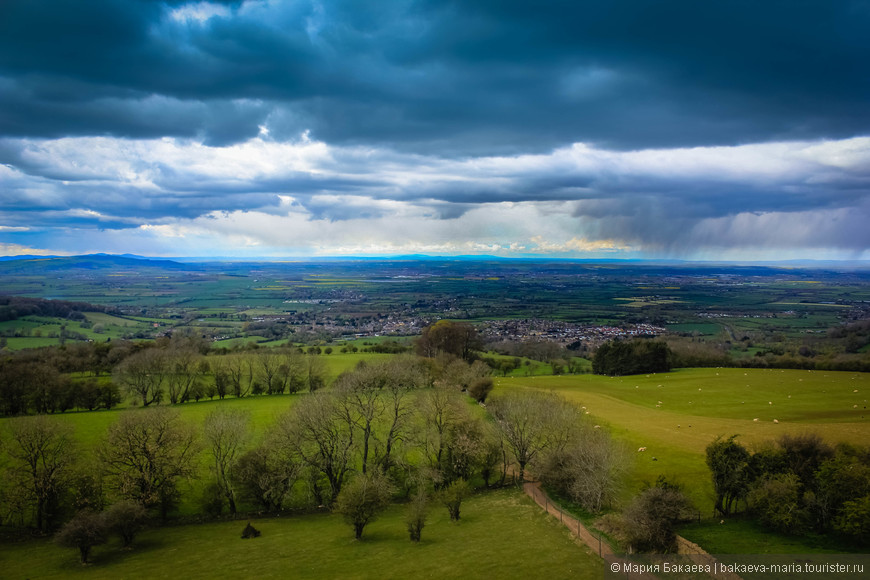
(676, 415)
(502, 534)
(697, 405)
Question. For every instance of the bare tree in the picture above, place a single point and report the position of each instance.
(589, 469)
(438, 409)
(320, 431)
(42, 453)
(531, 422)
(406, 374)
(314, 372)
(146, 452)
(144, 375)
(295, 370)
(185, 369)
(360, 395)
(226, 432)
(270, 372)
(267, 473)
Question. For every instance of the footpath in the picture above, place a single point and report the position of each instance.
(603, 548)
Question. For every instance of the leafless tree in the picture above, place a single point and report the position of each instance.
(589, 469)
(146, 452)
(320, 431)
(42, 453)
(532, 422)
(185, 369)
(144, 375)
(226, 432)
(267, 473)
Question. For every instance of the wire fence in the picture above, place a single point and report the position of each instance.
(584, 534)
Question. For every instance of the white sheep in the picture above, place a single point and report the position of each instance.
(775, 421)
(640, 449)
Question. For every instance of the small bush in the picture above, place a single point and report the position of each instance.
(777, 502)
(649, 521)
(452, 497)
(126, 518)
(480, 389)
(361, 500)
(86, 530)
(417, 513)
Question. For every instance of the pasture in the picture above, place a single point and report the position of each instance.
(502, 534)
(676, 415)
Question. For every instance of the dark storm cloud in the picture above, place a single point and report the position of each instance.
(661, 124)
(446, 78)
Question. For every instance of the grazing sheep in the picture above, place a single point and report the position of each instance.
(640, 449)
(597, 427)
(755, 420)
(775, 421)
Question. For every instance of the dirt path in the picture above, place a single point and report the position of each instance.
(594, 541)
(598, 545)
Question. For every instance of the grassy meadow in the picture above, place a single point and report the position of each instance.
(502, 534)
(676, 415)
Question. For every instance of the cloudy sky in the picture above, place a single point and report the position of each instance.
(687, 129)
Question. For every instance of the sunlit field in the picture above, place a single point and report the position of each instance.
(676, 415)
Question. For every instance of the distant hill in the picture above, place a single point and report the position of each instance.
(44, 264)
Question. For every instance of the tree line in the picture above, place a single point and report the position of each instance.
(405, 428)
(15, 307)
(175, 370)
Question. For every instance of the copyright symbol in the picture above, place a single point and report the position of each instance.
(614, 567)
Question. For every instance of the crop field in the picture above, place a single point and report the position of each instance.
(677, 414)
(502, 534)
